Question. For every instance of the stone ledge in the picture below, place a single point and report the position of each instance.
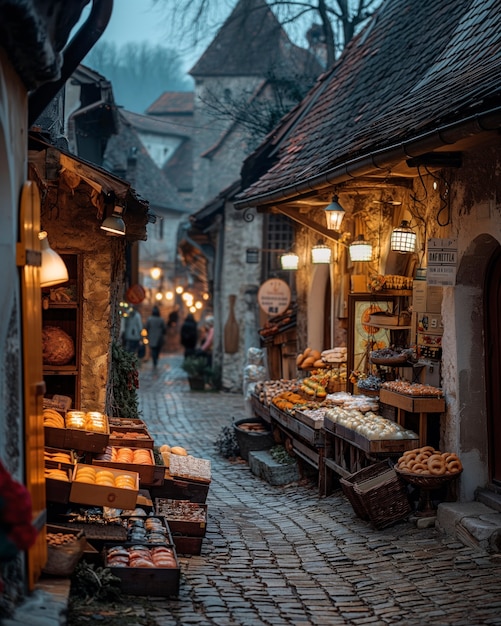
(263, 465)
(473, 523)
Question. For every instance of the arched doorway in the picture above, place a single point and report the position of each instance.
(492, 308)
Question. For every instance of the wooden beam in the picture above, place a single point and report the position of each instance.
(311, 224)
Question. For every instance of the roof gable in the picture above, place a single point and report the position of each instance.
(251, 42)
(173, 103)
(416, 67)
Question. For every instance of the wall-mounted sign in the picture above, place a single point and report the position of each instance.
(442, 262)
(274, 296)
(135, 294)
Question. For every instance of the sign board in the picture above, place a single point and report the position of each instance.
(442, 262)
(274, 296)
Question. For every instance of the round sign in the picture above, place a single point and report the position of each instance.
(135, 294)
(274, 296)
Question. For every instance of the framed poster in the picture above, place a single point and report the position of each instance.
(363, 337)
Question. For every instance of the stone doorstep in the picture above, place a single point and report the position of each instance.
(263, 465)
(47, 605)
(473, 523)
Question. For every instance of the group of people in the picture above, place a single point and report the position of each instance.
(195, 341)
(132, 333)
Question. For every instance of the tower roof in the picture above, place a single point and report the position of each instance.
(250, 43)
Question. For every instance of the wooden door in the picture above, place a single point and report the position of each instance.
(492, 307)
(28, 262)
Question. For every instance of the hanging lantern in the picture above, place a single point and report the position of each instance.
(321, 254)
(360, 250)
(403, 238)
(334, 214)
(289, 261)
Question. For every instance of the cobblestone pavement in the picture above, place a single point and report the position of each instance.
(283, 555)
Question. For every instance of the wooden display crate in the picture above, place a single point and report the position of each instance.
(54, 437)
(154, 581)
(124, 441)
(58, 490)
(181, 526)
(180, 489)
(412, 404)
(260, 409)
(50, 463)
(188, 545)
(102, 495)
(86, 440)
(146, 472)
(375, 446)
(308, 420)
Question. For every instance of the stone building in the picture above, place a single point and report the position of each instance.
(405, 126)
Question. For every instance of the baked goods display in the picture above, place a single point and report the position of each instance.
(369, 424)
(190, 467)
(309, 359)
(141, 556)
(94, 421)
(52, 418)
(181, 510)
(287, 401)
(104, 478)
(266, 390)
(335, 355)
(428, 461)
(57, 474)
(58, 348)
(412, 389)
(150, 530)
(58, 456)
(129, 434)
(136, 456)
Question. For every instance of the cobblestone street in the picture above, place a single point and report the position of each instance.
(282, 555)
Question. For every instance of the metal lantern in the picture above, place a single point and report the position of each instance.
(403, 238)
(360, 250)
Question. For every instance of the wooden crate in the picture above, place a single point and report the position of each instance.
(308, 420)
(181, 526)
(412, 404)
(375, 446)
(188, 545)
(85, 440)
(155, 581)
(146, 472)
(180, 489)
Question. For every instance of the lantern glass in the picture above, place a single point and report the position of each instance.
(321, 254)
(289, 261)
(334, 214)
(360, 250)
(403, 238)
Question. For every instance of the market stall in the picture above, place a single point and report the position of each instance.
(136, 502)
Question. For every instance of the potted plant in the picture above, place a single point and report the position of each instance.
(198, 370)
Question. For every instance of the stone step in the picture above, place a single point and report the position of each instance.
(489, 497)
(263, 465)
(473, 523)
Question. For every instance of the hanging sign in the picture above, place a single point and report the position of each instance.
(442, 262)
(135, 294)
(274, 296)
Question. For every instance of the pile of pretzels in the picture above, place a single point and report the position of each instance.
(428, 461)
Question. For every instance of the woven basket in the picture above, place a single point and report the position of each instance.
(377, 494)
(427, 481)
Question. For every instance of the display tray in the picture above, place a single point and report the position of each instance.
(126, 422)
(102, 495)
(375, 446)
(147, 581)
(188, 545)
(185, 489)
(146, 472)
(190, 467)
(86, 440)
(171, 510)
(308, 420)
(314, 436)
(125, 438)
(98, 532)
(412, 404)
(54, 437)
(50, 458)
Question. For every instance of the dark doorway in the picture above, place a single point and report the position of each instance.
(492, 307)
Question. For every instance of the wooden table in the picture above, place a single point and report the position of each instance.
(413, 404)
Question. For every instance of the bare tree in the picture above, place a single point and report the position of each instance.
(139, 73)
(337, 20)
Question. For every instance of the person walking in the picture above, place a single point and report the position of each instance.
(156, 328)
(189, 335)
(130, 332)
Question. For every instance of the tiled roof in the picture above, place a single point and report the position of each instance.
(149, 181)
(157, 125)
(416, 68)
(172, 103)
(250, 43)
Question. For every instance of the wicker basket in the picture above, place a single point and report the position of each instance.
(427, 481)
(377, 494)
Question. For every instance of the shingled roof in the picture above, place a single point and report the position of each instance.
(149, 181)
(172, 103)
(420, 75)
(262, 46)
